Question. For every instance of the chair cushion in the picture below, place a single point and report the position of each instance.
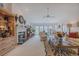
(73, 35)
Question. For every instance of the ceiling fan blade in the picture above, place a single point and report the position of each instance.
(52, 16)
(48, 16)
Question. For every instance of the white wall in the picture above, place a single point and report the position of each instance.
(33, 13)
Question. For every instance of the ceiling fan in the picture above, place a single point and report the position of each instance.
(48, 14)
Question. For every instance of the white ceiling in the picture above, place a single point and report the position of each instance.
(33, 13)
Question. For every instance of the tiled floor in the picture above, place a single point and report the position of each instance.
(33, 47)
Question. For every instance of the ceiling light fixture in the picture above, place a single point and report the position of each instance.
(48, 14)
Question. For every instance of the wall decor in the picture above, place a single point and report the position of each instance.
(21, 20)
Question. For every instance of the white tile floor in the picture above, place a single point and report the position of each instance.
(32, 47)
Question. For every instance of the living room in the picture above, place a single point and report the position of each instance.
(39, 29)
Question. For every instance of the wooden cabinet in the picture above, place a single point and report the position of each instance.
(7, 20)
(9, 42)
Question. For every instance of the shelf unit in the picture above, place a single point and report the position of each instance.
(9, 42)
